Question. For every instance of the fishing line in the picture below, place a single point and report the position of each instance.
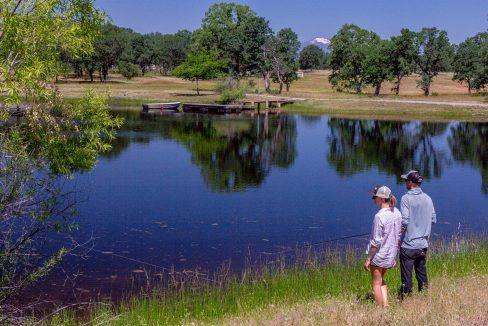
(316, 244)
(162, 268)
(198, 275)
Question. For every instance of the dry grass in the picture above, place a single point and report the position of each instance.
(449, 302)
(149, 88)
(314, 85)
(451, 101)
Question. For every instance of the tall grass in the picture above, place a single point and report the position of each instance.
(309, 277)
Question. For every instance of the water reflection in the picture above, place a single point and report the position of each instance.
(233, 153)
(147, 199)
(469, 144)
(236, 153)
(392, 146)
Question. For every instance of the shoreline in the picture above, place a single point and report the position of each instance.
(351, 109)
(337, 278)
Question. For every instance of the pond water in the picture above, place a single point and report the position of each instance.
(193, 191)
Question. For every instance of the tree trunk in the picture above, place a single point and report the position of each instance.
(426, 81)
(90, 73)
(397, 85)
(469, 87)
(105, 73)
(100, 75)
(281, 87)
(287, 87)
(358, 87)
(78, 71)
(198, 89)
(267, 83)
(377, 89)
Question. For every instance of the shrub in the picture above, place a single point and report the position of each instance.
(128, 69)
(230, 90)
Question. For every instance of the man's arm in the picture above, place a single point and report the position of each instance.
(405, 210)
(434, 216)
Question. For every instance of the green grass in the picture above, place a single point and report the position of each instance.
(305, 281)
(390, 111)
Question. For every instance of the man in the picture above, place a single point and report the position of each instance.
(418, 215)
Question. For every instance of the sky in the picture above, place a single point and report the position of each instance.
(311, 18)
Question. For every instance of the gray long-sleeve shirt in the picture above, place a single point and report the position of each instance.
(418, 215)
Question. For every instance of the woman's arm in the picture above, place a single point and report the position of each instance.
(375, 243)
(372, 251)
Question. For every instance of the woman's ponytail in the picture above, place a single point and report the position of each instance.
(392, 201)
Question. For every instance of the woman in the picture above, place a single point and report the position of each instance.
(383, 245)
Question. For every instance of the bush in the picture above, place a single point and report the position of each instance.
(128, 69)
(230, 90)
(231, 95)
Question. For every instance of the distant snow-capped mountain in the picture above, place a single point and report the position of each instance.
(321, 42)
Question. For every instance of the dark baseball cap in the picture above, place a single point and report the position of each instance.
(413, 176)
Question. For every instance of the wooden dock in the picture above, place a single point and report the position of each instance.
(246, 105)
(215, 108)
(267, 103)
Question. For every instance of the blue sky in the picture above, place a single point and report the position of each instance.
(311, 18)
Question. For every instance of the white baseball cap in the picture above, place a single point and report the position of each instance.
(382, 192)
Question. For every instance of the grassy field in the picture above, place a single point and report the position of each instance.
(335, 290)
(450, 100)
(314, 85)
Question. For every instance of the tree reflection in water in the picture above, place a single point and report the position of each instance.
(392, 146)
(469, 144)
(233, 153)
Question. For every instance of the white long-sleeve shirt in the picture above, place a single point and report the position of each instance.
(385, 235)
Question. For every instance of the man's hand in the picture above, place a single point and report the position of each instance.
(367, 264)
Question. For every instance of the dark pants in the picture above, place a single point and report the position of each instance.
(410, 258)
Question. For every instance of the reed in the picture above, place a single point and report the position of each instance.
(308, 275)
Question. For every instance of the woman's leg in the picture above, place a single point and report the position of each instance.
(384, 288)
(377, 282)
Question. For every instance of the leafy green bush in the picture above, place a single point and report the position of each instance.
(128, 69)
(231, 90)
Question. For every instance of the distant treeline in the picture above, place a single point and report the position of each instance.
(131, 53)
(359, 57)
(234, 41)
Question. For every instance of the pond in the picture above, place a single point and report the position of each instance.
(189, 191)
